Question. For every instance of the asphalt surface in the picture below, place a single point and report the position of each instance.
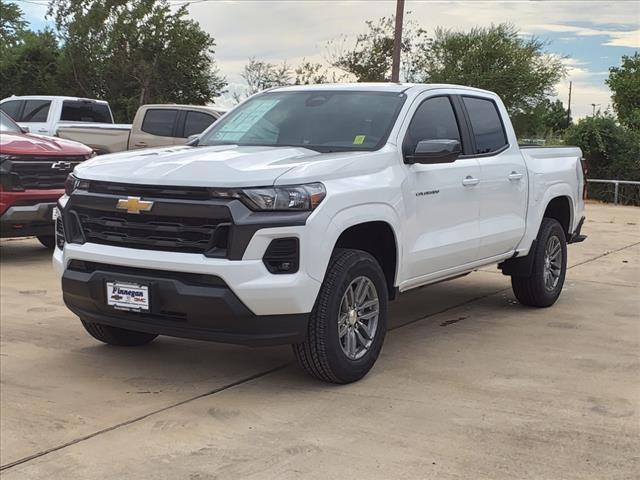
(469, 385)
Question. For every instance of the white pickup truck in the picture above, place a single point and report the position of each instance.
(44, 114)
(298, 216)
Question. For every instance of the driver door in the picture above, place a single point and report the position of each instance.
(443, 204)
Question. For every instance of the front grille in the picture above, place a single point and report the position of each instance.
(38, 172)
(152, 232)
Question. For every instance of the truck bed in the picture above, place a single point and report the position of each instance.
(102, 137)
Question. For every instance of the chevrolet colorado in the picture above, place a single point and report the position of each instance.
(300, 214)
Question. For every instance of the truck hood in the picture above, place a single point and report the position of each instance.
(218, 166)
(38, 145)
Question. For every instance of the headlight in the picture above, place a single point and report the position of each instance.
(72, 183)
(294, 197)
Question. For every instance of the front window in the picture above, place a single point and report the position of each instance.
(8, 125)
(326, 121)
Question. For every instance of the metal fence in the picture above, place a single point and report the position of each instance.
(620, 195)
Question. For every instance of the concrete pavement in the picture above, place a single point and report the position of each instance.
(469, 385)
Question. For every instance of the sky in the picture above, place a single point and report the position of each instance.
(593, 35)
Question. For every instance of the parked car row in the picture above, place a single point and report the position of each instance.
(43, 138)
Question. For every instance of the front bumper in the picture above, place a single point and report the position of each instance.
(27, 213)
(182, 305)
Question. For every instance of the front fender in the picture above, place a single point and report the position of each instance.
(350, 217)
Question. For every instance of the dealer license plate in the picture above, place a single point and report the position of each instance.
(128, 296)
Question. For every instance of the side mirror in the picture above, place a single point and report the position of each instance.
(435, 151)
(192, 140)
(24, 129)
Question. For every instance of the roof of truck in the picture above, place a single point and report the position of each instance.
(374, 87)
(51, 97)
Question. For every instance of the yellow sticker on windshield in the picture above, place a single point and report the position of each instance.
(359, 140)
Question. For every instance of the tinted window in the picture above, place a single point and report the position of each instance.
(434, 120)
(83, 111)
(8, 125)
(486, 124)
(11, 108)
(197, 122)
(35, 111)
(325, 121)
(159, 122)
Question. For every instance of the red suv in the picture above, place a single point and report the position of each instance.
(33, 170)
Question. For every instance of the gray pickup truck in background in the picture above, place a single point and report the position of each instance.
(153, 126)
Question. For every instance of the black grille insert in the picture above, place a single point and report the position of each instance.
(150, 191)
(42, 173)
(152, 232)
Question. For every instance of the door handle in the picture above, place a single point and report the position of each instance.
(140, 144)
(42, 130)
(469, 181)
(514, 176)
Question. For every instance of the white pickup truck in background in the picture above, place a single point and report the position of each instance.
(44, 114)
(301, 213)
(153, 126)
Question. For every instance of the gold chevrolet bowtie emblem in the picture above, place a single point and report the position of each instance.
(134, 205)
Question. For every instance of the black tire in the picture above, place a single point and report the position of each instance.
(117, 336)
(531, 290)
(48, 241)
(321, 354)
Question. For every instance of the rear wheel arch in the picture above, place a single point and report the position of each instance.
(560, 208)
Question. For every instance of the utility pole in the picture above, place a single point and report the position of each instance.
(569, 106)
(397, 42)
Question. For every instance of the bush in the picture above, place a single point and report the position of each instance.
(612, 153)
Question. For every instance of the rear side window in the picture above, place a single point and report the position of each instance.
(197, 122)
(79, 111)
(486, 125)
(159, 122)
(434, 120)
(35, 111)
(11, 108)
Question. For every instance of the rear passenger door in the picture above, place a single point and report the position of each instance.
(158, 128)
(503, 177)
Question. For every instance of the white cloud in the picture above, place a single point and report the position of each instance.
(617, 38)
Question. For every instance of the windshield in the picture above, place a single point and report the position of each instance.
(325, 121)
(8, 125)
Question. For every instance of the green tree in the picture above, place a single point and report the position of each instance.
(30, 67)
(611, 151)
(261, 75)
(624, 82)
(370, 58)
(133, 52)
(12, 23)
(495, 58)
(543, 120)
